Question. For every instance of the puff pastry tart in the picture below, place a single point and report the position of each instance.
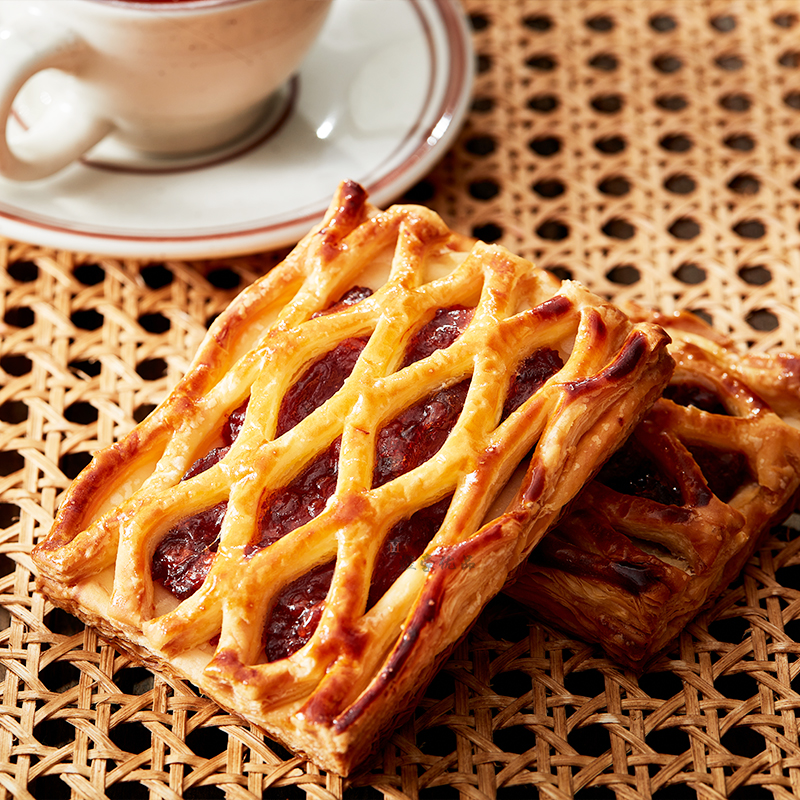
(676, 513)
(322, 506)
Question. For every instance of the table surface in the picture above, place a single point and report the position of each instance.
(648, 149)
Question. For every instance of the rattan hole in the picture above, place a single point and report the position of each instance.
(610, 145)
(87, 319)
(549, 188)
(668, 740)
(738, 103)
(608, 103)
(663, 23)
(127, 790)
(89, 274)
(755, 275)
(141, 412)
(484, 189)
(785, 20)
(740, 141)
(545, 146)
(208, 742)
(661, 685)
(224, 278)
(724, 23)
(587, 683)
(59, 621)
(680, 184)
(515, 739)
(482, 105)
(72, 464)
(421, 192)
(685, 228)
(13, 411)
(154, 322)
(562, 273)
(483, 63)
(15, 364)
(738, 685)
(9, 515)
(760, 319)
(617, 186)
(542, 63)
(131, 737)
(624, 275)
(553, 230)
(792, 100)
(702, 314)
(81, 413)
(667, 63)
(543, 103)
(86, 367)
(589, 740)
(488, 232)
(676, 143)
(790, 59)
(600, 24)
(19, 317)
(151, 369)
(54, 732)
(672, 102)
(59, 676)
(618, 228)
(537, 22)
(690, 273)
(479, 22)
(23, 271)
(743, 741)
(604, 62)
(750, 229)
(49, 787)
(11, 461)
(744, 184)
(480, 145)
(512, 683)
(729, 62)
(439, 740)
(156, 276)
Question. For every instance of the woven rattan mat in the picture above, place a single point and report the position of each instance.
(649, 148)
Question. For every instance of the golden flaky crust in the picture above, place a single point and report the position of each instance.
(509, 477)
(679, 510)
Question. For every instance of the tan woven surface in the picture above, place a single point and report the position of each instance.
(648, 148)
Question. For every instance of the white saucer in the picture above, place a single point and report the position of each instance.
(378, 100)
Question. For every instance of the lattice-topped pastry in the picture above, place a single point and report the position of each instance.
(370, 439)
(676, 513)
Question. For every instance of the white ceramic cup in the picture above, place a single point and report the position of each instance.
(163, 78)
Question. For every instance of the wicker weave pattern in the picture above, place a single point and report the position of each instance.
(518, 708)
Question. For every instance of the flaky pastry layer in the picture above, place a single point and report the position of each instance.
(507, 474)
(674, 516)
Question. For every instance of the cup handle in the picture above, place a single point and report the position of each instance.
(68, 128)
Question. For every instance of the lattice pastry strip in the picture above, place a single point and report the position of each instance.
(673, 517)
(370, 439)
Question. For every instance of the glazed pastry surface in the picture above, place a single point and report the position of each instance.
(676, 513)
(370, 440)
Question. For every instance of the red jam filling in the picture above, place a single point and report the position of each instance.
(531, 374)
(184, 557)
(631, 471)
(692, 394)
(725, 471)
(296, 613)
